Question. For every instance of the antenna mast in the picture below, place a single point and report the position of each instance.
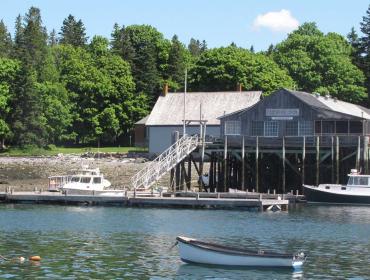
(185, 88)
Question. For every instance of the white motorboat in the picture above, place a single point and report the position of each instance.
(194, 251)
(84, 179)
(357, 191)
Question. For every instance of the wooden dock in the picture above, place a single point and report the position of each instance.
(167, 200)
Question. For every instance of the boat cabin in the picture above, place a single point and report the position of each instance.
(83, 177)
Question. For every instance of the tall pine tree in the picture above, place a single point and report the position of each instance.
(28, 122)
(176, 62)
(365, 48)
(5, 41)
(73, 32)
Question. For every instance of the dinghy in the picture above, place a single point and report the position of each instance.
(194, 251)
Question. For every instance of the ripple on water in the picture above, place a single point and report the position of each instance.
(119, 243)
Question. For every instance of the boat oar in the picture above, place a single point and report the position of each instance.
(173, 246)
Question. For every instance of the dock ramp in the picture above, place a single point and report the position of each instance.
(146, 177)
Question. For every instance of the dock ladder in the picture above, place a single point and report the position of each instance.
(146, 177)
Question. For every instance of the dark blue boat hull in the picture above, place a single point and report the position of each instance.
(313, 195)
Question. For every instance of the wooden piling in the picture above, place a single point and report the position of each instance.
(283, 165)
(358, 153)
(332, 160)
(303, 160)
(257, 173)
(337, 159)
(317, 160)
(366, 154)
(225, 166)
(243, 166)
(188, 177)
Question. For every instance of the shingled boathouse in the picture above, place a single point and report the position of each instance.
(276, 143)
(288, 139)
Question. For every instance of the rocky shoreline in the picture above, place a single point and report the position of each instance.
(28, 173)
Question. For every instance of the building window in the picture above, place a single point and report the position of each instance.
(327, 127)
(271, 128)
(355, 127)
(341, 127)
(291, 128)
(317, 127)
(257, 128)
(305, 128)
(232, 128)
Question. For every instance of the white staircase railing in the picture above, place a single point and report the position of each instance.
(146, 177)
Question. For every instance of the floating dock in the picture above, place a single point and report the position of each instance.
(166, 200)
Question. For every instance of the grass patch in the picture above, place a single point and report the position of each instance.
(51, 151)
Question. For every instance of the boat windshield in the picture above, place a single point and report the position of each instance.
(97, 180)
(75, 179)
(358, 181)
(85, 180)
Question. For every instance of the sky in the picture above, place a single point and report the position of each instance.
(218, 22)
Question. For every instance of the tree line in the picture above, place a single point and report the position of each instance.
(64, 88)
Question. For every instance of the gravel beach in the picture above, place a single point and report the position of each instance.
(28, 173)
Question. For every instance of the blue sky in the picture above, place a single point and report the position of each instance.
(219, 22)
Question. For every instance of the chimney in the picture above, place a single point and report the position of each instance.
(239, 87)
(165, 89)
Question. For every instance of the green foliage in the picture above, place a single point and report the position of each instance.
(33, 45)
(102, 90)
(196, 47)
(147, 52)
(364, 48)
(56, 91)
(57, 111)
(223, 68)
(321, 63)
(8, 72)
(6, 43)
(177, 63)
(73, 32)
(28, 121)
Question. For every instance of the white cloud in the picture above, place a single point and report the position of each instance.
(277, 21)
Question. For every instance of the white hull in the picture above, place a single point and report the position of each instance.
(194, 254)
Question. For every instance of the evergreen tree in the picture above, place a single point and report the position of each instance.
(194, 47)
(270, 50)
(8, 75)
(141, 47)
(176, 62)
(53, 40)
(251, 49)
(365, 48)
(5, 41)
(18, 37)
(116, 39)
(73, 32)
(33, 45)
(28, 121)
(203, 46)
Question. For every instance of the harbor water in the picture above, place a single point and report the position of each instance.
(134, 243)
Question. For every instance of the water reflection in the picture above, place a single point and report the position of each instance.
(190, 271)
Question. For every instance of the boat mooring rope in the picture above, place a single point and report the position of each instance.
(173, 246)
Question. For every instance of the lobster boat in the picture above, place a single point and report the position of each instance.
(356, 191)
(199, 252)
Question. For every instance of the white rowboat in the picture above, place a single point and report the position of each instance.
(194, 251)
